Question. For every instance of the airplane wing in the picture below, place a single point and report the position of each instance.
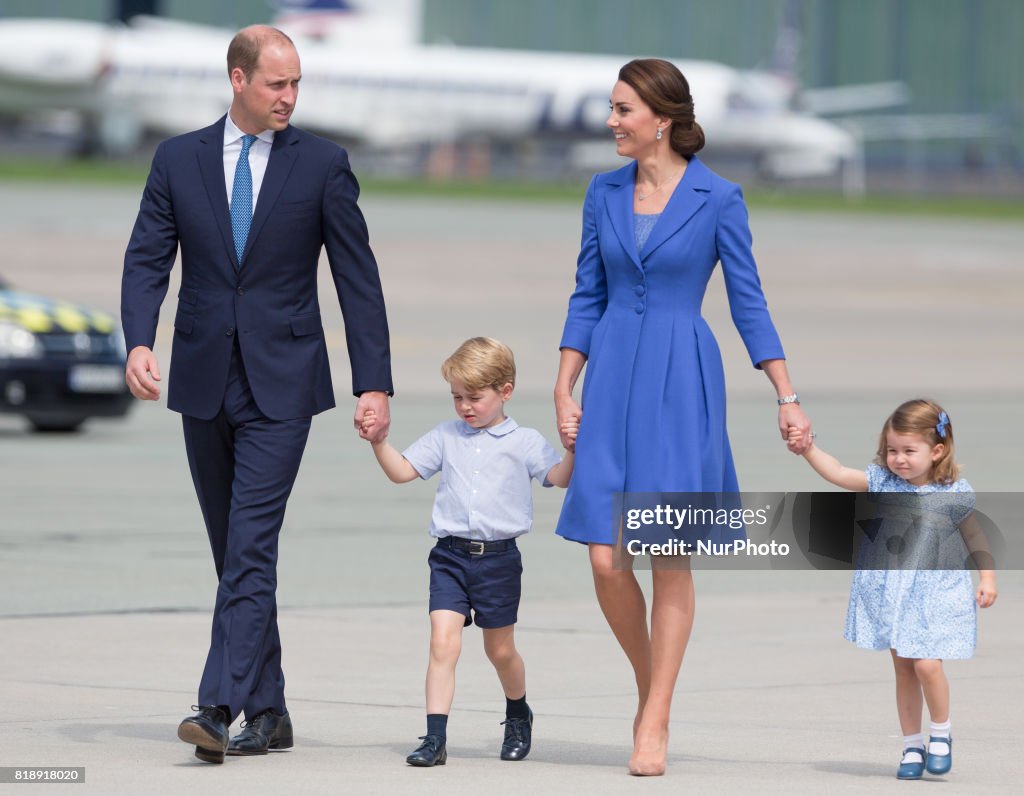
(857, 98)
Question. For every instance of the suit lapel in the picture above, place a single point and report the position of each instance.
(279, 166)
(688, 197)
(619, 202)
(211, 167)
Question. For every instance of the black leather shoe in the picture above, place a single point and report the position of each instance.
(431, 752)
(208, 730)
(518, 735)
(266, 730)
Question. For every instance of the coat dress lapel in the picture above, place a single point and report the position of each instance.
(687, 198)
(619, 203)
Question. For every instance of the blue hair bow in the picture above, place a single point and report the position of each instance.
(942, 425)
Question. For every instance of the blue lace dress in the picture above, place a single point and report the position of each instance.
(918, 612)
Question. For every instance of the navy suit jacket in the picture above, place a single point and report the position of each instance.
(307, 201)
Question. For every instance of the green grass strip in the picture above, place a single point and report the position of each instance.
(99, 172)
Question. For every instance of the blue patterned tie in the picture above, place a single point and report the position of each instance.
(241, 198)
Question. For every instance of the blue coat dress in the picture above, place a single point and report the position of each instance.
(654, 391)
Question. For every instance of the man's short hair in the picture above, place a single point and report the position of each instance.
(245, 48)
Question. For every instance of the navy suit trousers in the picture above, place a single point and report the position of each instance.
(243, 466)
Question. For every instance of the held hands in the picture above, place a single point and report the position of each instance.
(141, 374)
(986, 593)
(794, 437)
(370, 428)
(795, 428)
(373, 416)
(568, 414)
(567, 430)
(369, 421)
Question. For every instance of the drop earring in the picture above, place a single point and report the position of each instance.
(658, 136)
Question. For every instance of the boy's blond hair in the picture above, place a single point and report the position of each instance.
(481, 362)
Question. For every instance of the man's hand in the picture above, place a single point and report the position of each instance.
(375, 428)
(142, 373)
(368, 428)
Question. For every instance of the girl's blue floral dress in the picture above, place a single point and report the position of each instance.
(918, 612)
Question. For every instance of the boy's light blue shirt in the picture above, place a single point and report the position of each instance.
(484, 492)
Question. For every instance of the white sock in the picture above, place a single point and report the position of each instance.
(915, 741)
(939, 730)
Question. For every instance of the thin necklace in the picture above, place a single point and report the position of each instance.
(642, 196)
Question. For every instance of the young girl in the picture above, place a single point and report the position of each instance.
(921, 616)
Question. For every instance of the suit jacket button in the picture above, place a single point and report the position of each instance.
(241, 290)
(230, 331)
(639, 308)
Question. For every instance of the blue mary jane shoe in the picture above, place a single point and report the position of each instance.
(939, 764)
(911, 770)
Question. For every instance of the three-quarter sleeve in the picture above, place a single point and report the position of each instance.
(746, 299)
(588, 302)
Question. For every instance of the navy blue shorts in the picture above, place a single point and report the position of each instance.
(483, 587)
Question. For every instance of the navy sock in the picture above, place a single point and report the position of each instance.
(437, 724)
(517, 708)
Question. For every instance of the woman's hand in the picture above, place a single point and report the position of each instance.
(791, 416)
(567, 415)
(795, 428)
(568, 429)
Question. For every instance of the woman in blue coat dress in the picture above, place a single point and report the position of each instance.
(653, 403)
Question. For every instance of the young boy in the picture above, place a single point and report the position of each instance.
(483, 503)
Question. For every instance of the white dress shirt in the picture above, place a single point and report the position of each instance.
(259, 155)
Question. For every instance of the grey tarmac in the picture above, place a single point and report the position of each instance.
(107, 581)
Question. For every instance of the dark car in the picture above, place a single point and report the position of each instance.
(60, 363)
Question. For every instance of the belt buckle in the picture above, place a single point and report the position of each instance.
(472, 548)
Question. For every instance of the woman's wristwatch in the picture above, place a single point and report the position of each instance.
(789, 399)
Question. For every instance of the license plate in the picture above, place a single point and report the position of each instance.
(96, 378)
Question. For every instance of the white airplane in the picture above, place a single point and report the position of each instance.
(367, 79)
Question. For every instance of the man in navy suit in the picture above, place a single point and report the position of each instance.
(249, 366)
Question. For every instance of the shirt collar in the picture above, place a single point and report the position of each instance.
(506, 426)
(233, 134)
